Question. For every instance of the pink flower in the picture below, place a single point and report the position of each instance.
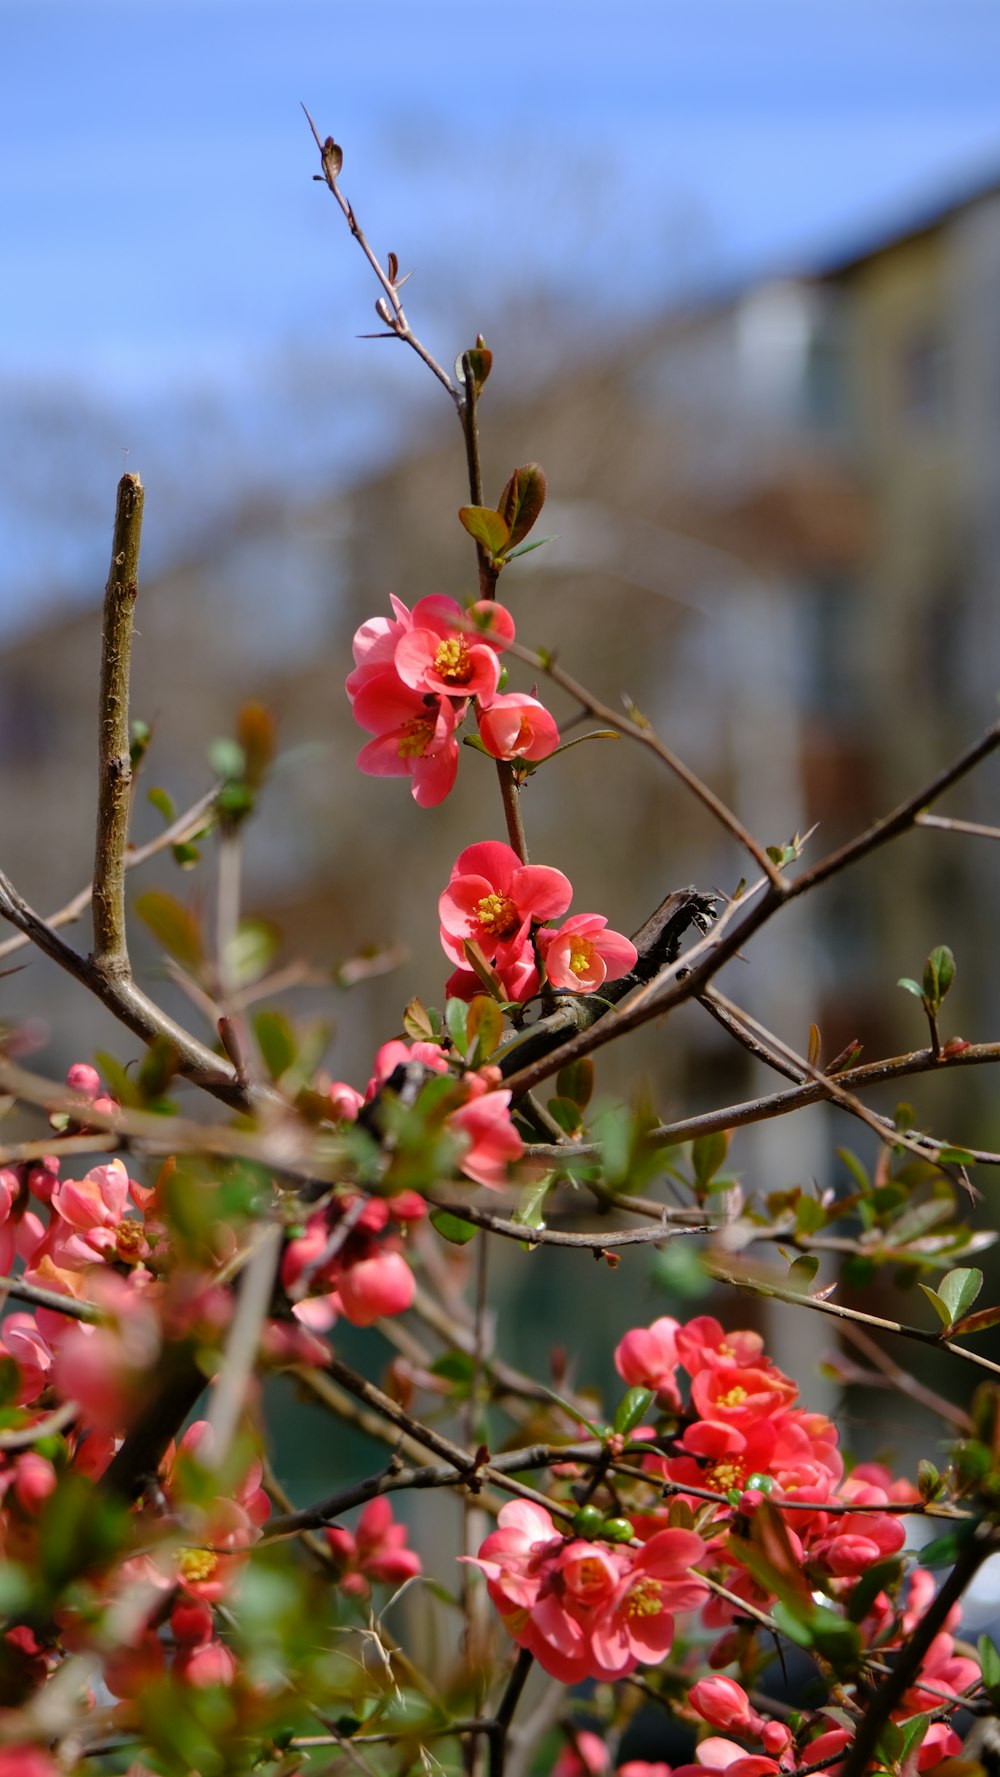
(586, 1757)
(516, 726)
(375, 645)
(210, 1664)
(647, 1358)
(492, 899)
(375, 1551)
(415, 737)
(453, 653)
(382, 1284)
(493, 1141)
(703, 1344)
(582, 954)
(640, 1628)
(724, 1704)
(91, 1219)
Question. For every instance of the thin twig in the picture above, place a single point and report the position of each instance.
(761, 1287)
(240, 1355)
(393, 315)
(644, 734)
(977, 828)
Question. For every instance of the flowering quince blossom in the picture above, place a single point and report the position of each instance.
(376, 1550)
(582, 954)
(493, 900)
(585, 1609)
(449, 652)
(414, 736)
(516, 726)
(490, 1141)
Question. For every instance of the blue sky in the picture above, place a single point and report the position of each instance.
(166, 254)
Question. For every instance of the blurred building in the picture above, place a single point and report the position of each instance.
(775, 522)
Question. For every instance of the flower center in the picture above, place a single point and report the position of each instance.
(645, 1599)
(580, 954)
(453, 662)
(414, 738)
(129, 1239)
(498, 916)
(734, 1398)
(197, 1565)
(722, 1475)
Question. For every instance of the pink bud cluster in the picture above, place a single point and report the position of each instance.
(503, 907)
(375, 1550)
(416, 675)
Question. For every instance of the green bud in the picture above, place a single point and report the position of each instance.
(617, 1530)
(588, 1522)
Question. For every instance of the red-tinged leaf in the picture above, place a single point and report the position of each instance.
(484, 1025)
(977, 1322)
(173, 926)
(480, 361)
(522, 500)
(815, 1048)
(486, 527)
(393, 267)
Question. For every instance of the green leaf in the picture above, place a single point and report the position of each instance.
(938, 1304)
(566, 1113)
(989, 1664)
(163, 802)
(528, 1213)
(632, 1409)
(955, 1157)
(960, 1289)
(939, 973)
(185, 855)
(880, 1578)
(452, 1228)
(173, 925)
(708, 1154)
(810, 1215)
(250, 951)
(455, 1015)
(227, 757)
(911, 986)
(576, 1081)
(802, 1271)
(276, 1042)
(526, 548)
(484, 1028)
(486, 527)
(522, 500)
(456, 1367)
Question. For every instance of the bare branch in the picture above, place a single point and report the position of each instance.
(115, 779)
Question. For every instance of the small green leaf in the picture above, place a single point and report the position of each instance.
(707, 1155)
(486, 527)
(172, 925)
(955, 1157)
(479, 359)
(911, 986)
(989, 1663)
(526, 548)
(938, 1304)
(250, 951)
(276, 1042)
(576, 1081)
(456, 1367)
(185, 855)
(452, 1228)
(455, 1015)
(632, 1409)
(810, 1215)
(227, 757)
(566, 1113)
(939, 973)
(163, 802)
(802, 1271)
(960, 1289)
(529, 1212)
